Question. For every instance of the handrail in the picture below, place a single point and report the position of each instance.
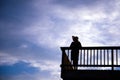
(98, 56)
(95, 47)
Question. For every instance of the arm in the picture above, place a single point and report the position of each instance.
(71, 45)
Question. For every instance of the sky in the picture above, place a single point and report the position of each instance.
(32, 32)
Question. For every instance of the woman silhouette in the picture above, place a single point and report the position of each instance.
(75, 45)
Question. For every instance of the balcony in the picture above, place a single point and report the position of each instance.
(94, 63)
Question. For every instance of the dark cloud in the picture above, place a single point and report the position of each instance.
(77, 3)
(89, 4)
(14, 15)
(20, 47)
(18, 68)
(17, 14)
(11, 9)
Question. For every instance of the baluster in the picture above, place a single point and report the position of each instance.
(84, 56)
(116, 56)
(107, 57)
(94, 56)
(81, 58)
(100, 57)
(91, 57)
(97, 56)
(68, 54)
(87, 56)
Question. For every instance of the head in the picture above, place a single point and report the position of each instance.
(75, 38)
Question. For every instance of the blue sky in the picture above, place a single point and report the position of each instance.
(32, 32)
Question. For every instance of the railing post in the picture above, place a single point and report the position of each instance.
(63, 54)
(66, 64)
(112, 53)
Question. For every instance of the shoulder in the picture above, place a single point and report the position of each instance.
(79, 42)
(72, 43)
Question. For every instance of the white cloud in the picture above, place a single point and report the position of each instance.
(23, 46)
(53, 67)
(7, 59)
(83, 22)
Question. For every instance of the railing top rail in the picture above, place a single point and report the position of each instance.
(94, 47)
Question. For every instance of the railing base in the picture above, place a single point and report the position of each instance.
(90, 74)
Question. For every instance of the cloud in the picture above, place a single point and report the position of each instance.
(53, 67)
(47, 28)
(28, 76)
(76, 3)
(7, 59)
(79, 23)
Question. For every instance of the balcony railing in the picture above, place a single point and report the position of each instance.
(93, 58)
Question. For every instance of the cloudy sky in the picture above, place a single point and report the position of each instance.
(32, 32)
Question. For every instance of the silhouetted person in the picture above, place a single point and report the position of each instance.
(75, 45)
